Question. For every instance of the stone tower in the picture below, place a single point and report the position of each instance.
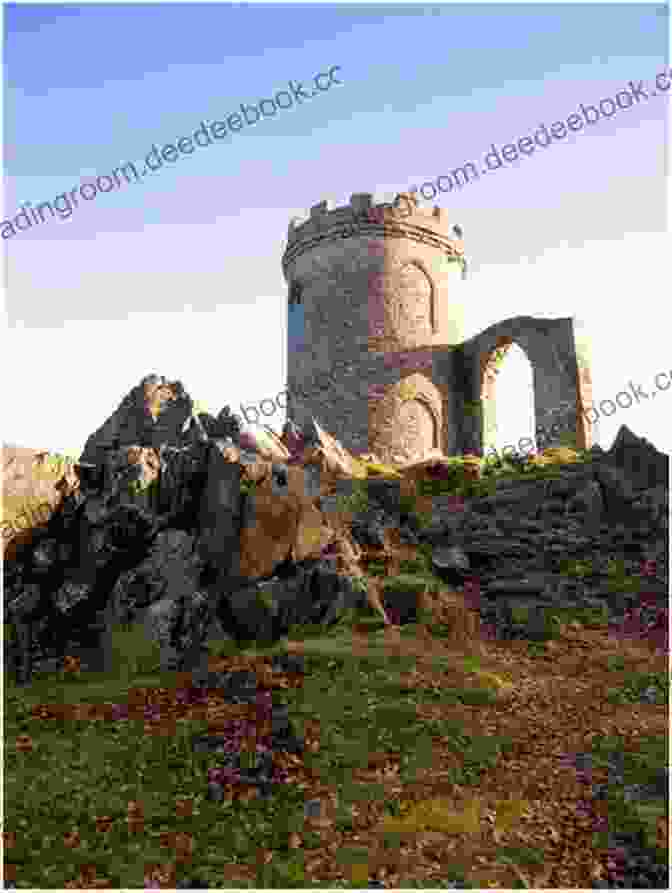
(379, 287)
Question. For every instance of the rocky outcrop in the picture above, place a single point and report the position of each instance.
(155, 527)
(578, 539)
(526, 540)
(641, 462)
(195, 525)
(153, 414)
(311, 593)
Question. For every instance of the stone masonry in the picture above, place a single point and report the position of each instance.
(384, 364)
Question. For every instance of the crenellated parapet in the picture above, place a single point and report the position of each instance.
(402, 218)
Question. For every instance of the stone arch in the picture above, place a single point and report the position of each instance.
(558, 371)
(490, 363)
(499, 415)
(407, 422)
(411, 304)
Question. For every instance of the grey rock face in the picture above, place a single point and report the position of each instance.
(640, 461)
(265, 610)
(132, 424)
(451, 563)
(111, 550)
(169, 570)
(522, 539)
(220, 514)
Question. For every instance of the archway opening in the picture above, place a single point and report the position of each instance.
(508, 401)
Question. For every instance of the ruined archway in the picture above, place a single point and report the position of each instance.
(559, 353)
(507, 399)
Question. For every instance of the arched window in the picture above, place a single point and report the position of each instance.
(412, 303)
(295, 294)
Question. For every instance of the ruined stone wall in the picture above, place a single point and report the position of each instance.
(378, 285)
(559, 354)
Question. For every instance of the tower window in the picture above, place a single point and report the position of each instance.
(295, 293)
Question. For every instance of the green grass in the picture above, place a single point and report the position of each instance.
(554, 618)
(492, 469)
(83, 769)
(419, 581)
(639, 767)
(523, 855)
(631, 689)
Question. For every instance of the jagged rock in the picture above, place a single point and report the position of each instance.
(520, 588)
(369, 526)
(45, 555)
(401, 599)
(220, 512)
(182, 480)
(409, 532)
(385, 494)
(528, 530)
(224, 426)
(264, 611)
(101, 530)
(227, 426)
(644, 466)
(170, 570)
(160, 620)
(158, 519)
(159, 523)
(280, 522)
(587, 502)
(526, 498)
(25, 602)
(152, 414)
(194, 431)
(617, 490)
(451, 564)
(656, 501)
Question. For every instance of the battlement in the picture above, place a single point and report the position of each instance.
(364, 216)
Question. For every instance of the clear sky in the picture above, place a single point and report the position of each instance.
(180, 274)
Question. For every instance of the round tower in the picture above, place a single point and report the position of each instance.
(374, 291)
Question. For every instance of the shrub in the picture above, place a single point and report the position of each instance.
(137, 487)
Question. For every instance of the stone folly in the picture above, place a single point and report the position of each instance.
(382, 301)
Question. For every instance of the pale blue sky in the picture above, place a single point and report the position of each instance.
(98, 300)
